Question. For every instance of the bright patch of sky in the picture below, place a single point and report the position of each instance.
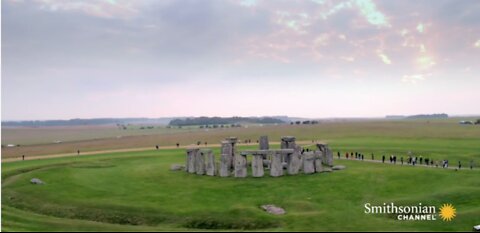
(129, 58)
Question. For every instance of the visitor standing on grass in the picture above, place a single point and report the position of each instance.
(401, 160)
(459, 165)
(372, 157)
(383, 158)
(471, 164)
(156, 146)
(78, 152)
(23, 157)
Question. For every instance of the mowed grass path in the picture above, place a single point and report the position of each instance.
(136, 191)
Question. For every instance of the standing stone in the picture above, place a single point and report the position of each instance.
(308, 162)
(276, 167)
(294, 162)
(224, 165)
(327, 154)
(227, 154)
(230, 149)
(264, 143)
(210, 163)
(190, 165)
(241, 165)
(318, 161)
(288, 142)
(200, 162)
(257, 165)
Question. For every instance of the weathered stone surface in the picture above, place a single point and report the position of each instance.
(272, 209)
(36, 181)
(308, 162)
(227, 150)
(228, 147)
(288, 142)
(200, 162)
(240, 165)
(191, 160)
(257, 165)
(293, 163)
(338, 167)
(177, 167)
(318, 161)
(264, 143)
(210, 163)
(224, 170)
(276, 168)
(327, 154)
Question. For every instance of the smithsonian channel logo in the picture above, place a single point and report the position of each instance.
(446, 212)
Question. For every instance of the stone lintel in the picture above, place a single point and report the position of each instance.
(288, 138)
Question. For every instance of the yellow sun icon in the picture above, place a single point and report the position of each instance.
(447, 212)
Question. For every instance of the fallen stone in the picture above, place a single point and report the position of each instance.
(177, 167)
(272, 209)
(36, 181)
(338, 167)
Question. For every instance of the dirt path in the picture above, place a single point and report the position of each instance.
(405, 164)
(6, 160)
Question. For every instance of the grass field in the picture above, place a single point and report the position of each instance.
(136, 191)
(336, 133)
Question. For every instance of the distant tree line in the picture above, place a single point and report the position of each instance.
(92, 121)
(429, 116)
(218, 121)
(312, 122)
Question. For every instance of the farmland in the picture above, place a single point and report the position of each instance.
(136, 190)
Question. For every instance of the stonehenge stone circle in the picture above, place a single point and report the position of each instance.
(290, 159)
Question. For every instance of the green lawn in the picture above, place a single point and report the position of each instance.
(136, 191)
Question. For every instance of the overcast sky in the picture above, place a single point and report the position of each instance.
(131, 58)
